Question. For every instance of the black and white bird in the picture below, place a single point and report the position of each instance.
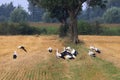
(92, 47)
(58, 55)
(74, 52)
(66, 54)
(22, 47)
(97, 50)
(14, 55)
(50, 49)
(68, 49)
(91, 53)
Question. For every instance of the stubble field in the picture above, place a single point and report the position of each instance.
(38, 64)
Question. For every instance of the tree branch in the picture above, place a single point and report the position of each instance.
(78, 8)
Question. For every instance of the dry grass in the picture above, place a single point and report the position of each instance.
(37, 53)
(109, 45)
(37, 64)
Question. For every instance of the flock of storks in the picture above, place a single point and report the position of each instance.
(67, 53)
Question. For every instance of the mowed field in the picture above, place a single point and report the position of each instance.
(109, 46)
(21, 68)
(38, 64)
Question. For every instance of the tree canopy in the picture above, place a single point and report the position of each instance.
(72, 7)
(112, 15)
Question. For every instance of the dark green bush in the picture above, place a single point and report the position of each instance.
(19, 28)
(85, 28)
(25, 29)
(111, 31)
(8, 28)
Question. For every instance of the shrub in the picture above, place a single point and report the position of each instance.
(86, 28)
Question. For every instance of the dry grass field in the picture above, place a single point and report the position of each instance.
(37, 52)
(109, 45)
(38, 64)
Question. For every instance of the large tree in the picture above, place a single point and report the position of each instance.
(73, 7)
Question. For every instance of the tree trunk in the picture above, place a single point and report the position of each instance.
(73, 28)
(63, 29)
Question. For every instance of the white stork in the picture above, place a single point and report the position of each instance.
(22, 47)
(14, 55)
(91, 53)
(50, 49)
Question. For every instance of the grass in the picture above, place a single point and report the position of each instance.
(87, 68)
(83, 68)
(39, 65)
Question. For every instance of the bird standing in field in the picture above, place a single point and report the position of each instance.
(91, 53)
(58, 55)
(14, 55)
(50, 50)
(95, 49)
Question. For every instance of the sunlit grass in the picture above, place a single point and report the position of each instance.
(40, 65)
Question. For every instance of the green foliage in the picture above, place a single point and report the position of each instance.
(15, 29)
(19, 15)
(5, 10)
(3, 18)
(46, 30)
(63, 30)
(87, 28)
(46, 17)
(84, 28)
(113, 3)
(111, 31)
(112, 15)
(60, 8)
(25, 29)
(8, 28)
(69, 9)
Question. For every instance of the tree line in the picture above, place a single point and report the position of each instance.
(67, 12)
(8, 12)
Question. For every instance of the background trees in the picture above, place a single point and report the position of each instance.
(19, 15)
(72, 7)
(5, 11)
(36, 13)
(112, 15)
